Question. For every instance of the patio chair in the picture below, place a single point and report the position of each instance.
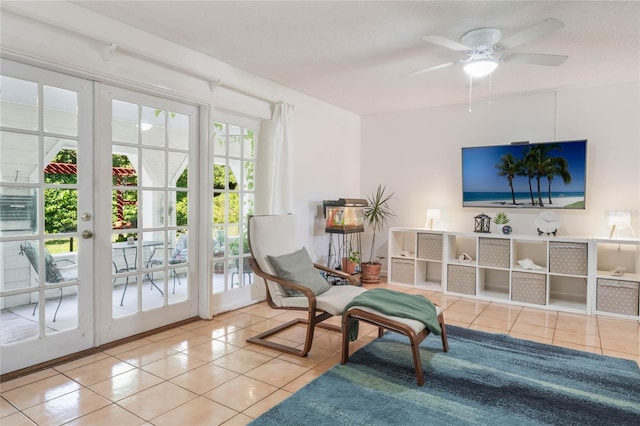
(125, 267)
(179, 254)
(55, 271)
(292, 283)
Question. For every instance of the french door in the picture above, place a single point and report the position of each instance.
(145, 212)
(62, 289)
(46, 215)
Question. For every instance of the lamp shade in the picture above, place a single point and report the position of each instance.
(481, 67)
(621, 219)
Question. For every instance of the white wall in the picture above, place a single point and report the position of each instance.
(70, 39)
(417, 154)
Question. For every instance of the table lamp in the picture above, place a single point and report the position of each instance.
(620, 220)
(433, 219)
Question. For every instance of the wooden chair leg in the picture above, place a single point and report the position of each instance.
(383, 323)
(346, 322)
(443, 336)
(415, 349)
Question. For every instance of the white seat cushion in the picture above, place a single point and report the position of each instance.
(416, 326)
(332, 301)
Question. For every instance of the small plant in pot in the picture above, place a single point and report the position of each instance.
(500, 219)
(376, 214)
(350, 263)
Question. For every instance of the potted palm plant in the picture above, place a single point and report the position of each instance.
(376, 215)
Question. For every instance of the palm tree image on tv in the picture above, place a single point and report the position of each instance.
(525, 176)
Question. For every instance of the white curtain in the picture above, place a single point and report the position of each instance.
(274, 186)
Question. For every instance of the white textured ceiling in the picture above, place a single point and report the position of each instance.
(356, 54)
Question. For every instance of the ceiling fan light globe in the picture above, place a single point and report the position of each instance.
(480, 68)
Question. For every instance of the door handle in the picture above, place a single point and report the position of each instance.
(86, 234)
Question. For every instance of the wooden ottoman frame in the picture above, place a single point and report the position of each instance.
(385, 322)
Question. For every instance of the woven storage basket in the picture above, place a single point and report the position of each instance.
(461, 279)
(494, 252)
(616, 296)
(568, 258)
(430, 246)
(402, 271)
(529, 288)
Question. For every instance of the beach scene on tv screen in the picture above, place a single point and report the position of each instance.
(540, 175)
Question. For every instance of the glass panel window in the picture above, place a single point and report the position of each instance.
(124, 209)
(62, 305)
(60, 111)
(180, 214)
(249, 175)
(61, 161)
(219, 207)
(18, 103)
(60, 260)
(19, 158)
(123, 162)
(234, 149)
(60, 210)
(177, 165)
(155, 211)
(17, 266)
(178, 131)
(234, 141)
(153, 168)
(152, 126)
(20, 307)
(18, 211)
(124, 121)
(235, 174)
(248, 149)
(219, 138)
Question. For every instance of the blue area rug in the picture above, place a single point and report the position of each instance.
(483, 379)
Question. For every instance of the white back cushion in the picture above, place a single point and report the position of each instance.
(273, 235)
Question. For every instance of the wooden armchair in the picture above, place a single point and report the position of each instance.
(276, 236)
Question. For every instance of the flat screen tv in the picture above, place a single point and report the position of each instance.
(525, 175)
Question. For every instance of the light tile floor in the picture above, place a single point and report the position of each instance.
(206, 373)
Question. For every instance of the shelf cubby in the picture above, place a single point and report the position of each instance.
(536, 250)
(493, 283)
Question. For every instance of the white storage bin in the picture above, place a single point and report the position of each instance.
(461, 279)
(493, 252)
(430, 246)
(568, 258)
(617, 296)
(403, 271)
(529, 288)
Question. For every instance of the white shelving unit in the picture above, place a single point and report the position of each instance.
(491, 270)
(616, 294)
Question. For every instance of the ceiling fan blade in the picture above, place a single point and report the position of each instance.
(534, 59)
(445, 42)
(437, 67)
(535, 31)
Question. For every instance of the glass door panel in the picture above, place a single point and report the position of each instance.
(151, 274)
(46, 156)
(233, 169)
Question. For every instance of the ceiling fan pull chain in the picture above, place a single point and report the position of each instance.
(490, 88)
(470, 90)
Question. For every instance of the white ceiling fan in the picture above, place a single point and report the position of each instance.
(486, 50)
